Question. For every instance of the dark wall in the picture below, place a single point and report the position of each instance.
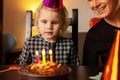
(1, 10)
(1, 29)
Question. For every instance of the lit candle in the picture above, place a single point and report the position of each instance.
(51, 55)
(43, 56)
(37, 57)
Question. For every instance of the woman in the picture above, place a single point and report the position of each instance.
(100, 37)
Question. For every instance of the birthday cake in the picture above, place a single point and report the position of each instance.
(49, 68)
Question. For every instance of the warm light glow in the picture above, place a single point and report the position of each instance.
(29, 4)
(51, 56)
(50, 51)
(43, 57)
(36, 53)
(43, 52)
(34, 31)
(37, 57)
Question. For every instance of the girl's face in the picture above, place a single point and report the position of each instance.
(49, 24)
(103, 8)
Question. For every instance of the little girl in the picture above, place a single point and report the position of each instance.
(51, 21)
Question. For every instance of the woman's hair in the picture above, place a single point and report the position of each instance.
(63, 14)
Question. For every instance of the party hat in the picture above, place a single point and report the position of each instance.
(112, 71)
(55, 4)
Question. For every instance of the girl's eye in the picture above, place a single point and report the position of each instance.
(89, 0)
(55, 22)
(44, 21)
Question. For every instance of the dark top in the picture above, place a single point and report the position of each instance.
(64, 51)
(98, 42)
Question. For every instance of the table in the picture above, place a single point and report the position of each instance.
(78, 73)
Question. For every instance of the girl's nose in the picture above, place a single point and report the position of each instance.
(96, 3)
(49, 25)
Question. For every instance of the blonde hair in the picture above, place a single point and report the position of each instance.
(63, 14)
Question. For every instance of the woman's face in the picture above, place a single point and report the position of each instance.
(49, 24)
(103, 8)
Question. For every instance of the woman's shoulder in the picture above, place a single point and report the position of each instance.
(100, 27)
(101, 30)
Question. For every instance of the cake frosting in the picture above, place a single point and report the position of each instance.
(49, 68)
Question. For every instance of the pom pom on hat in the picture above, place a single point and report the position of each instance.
(55, 4)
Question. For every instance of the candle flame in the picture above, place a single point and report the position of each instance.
(36, 53)
(43, 52)
(50, 51)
